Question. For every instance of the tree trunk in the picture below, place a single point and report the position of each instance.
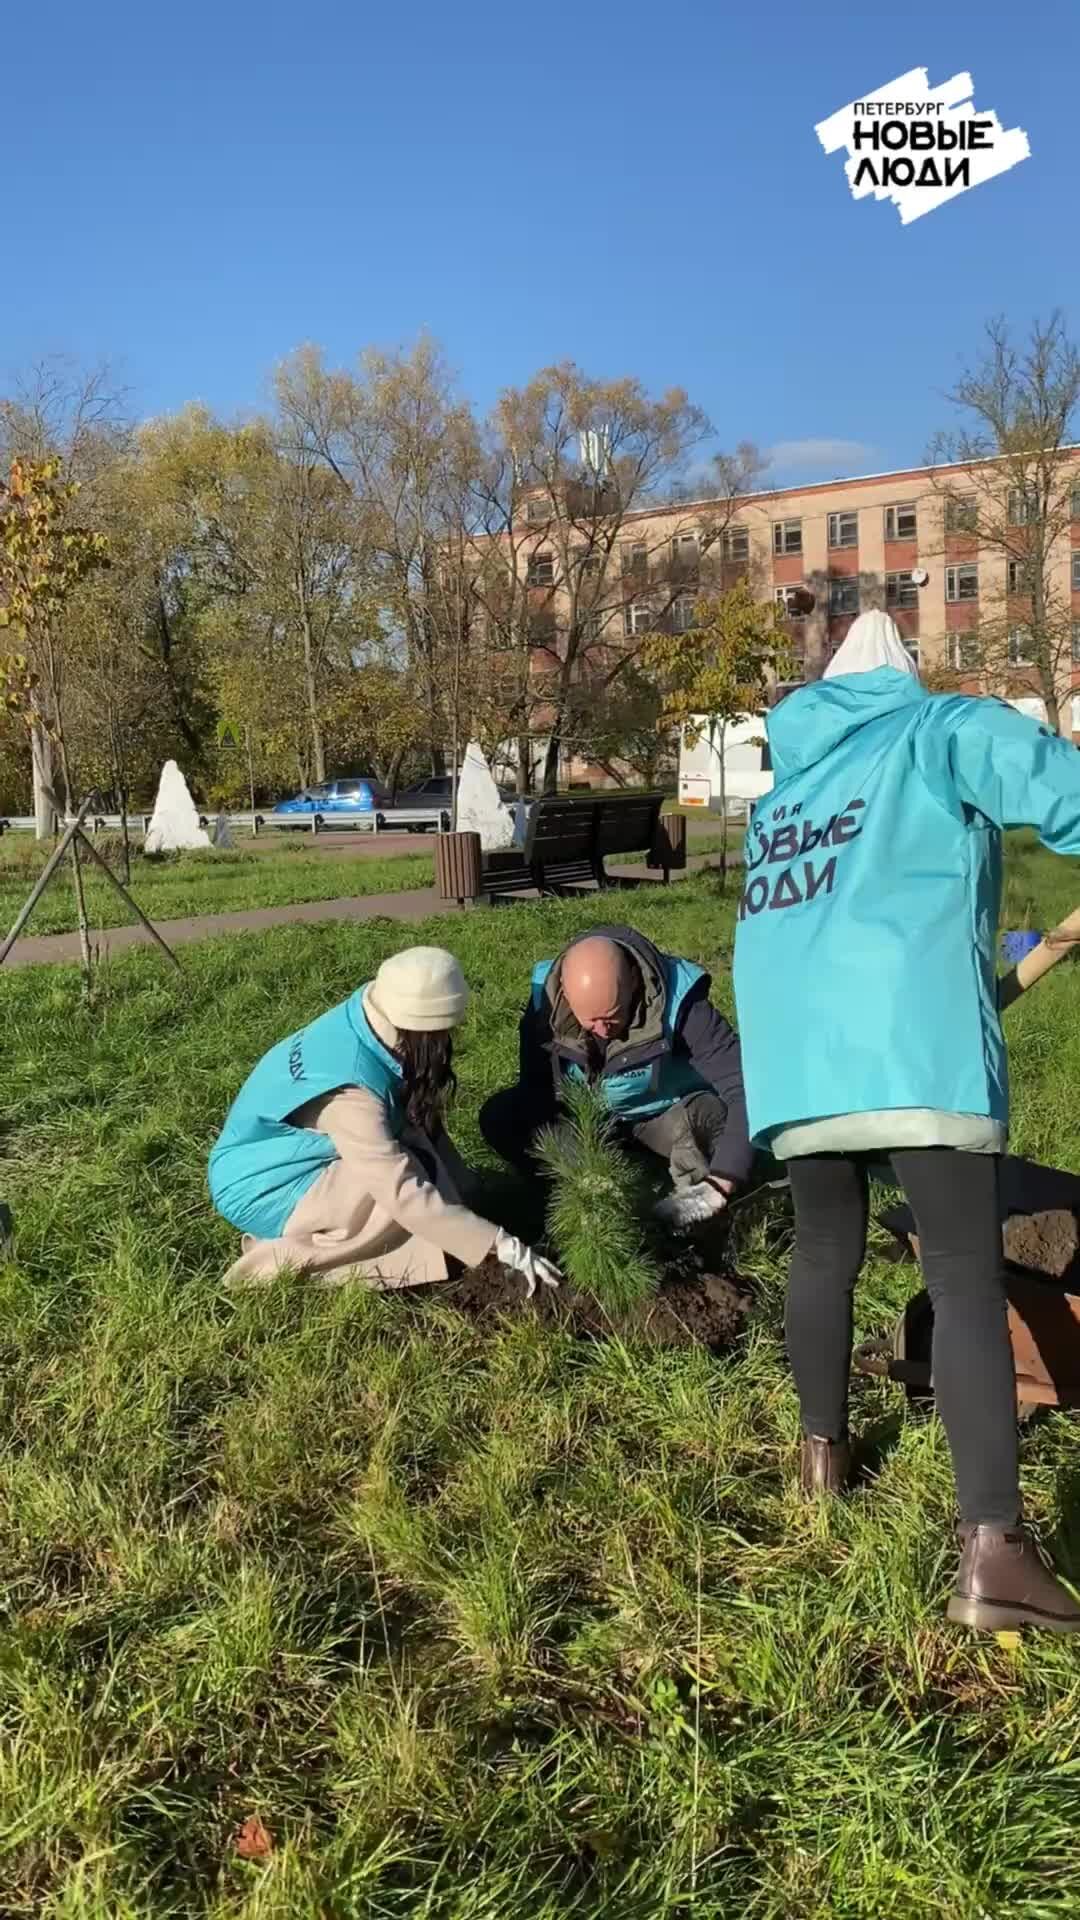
(550, 780)
(84, 924)
(41, 760)
(318, 743)
(125, 835)
(524, 764)
(393, 770)
(251, 774)
(190, 735)
(723, 812)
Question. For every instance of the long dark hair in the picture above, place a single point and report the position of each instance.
(430, 1081)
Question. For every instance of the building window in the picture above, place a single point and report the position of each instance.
(1023, 506)
(1021, 646)
(843, 596)
(1076, 643)
(682, 613)
(542, 631)
(637, 618)
(900, 590)
(684, 549)
(1019, 576)
(788, 599)
(963, 652)
(1076, 573)
(635, 556)
(794, 668)
(787, 536)
(843, 529)
(913, 648)
(590, 562)
(1074, 504)
(736, 543)
(538, 511)
(962, 583)
(593, 624)
(541, 570)
(961, 513)
(901, 523)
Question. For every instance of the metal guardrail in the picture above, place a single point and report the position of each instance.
(386, 820)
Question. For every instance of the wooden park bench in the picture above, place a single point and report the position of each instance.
(568, 839)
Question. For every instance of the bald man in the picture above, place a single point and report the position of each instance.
(638, 1023)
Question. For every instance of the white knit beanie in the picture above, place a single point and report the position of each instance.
(420, 990)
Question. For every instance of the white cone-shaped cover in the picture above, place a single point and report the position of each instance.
(479, 808)
(174, 826)
(873, 640)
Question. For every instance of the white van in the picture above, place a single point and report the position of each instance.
(746, 767)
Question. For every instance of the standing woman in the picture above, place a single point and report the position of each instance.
(866, 987)
(334, 1158)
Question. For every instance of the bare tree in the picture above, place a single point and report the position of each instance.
(402, 441)
(571, 567)
(1014, 499)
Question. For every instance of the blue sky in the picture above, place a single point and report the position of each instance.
(193, 192)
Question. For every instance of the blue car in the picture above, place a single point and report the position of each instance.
(332, 797)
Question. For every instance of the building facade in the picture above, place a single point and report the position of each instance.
(905, 541)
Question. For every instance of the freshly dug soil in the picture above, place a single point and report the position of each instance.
(1042, 1227)
(693, 1307)
(1044, 1242)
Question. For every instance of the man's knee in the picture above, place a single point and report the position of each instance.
(684, 1135)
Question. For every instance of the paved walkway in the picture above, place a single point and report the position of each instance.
(419, 903)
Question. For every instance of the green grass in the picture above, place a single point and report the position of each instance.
(483, 1626)
(179, 885)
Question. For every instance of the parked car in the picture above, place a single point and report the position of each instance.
(330, 797)
(438, 791)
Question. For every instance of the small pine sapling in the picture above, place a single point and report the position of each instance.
(594, 1215)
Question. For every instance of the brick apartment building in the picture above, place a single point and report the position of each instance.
(853, 544)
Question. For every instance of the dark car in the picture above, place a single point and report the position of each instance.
(438, 791)
(351, 795)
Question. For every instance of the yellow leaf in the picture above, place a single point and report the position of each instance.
(1008, 1639)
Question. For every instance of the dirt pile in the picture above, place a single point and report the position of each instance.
(1044, 1242)
(693, 1307)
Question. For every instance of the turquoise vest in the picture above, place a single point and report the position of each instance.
(260, 1165)
(647, 1087)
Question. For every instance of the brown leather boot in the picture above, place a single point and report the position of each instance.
(824, 1465)
(1003, 1583)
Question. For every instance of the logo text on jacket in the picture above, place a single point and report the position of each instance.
(790, 838)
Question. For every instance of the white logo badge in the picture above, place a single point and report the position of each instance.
(919, 147)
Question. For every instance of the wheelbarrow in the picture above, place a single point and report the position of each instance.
(1044, 1328)
(1043, 1307)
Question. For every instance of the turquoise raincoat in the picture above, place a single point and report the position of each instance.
(865, 972)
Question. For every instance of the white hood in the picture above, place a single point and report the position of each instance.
(873, 640)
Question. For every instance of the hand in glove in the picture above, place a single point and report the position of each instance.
(690, 1206)
(522, 1259)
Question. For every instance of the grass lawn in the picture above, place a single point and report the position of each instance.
(481, 1627)
(184, 884)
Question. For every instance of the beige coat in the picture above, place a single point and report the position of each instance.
(373, 1214)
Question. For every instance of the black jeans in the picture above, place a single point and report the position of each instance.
(954, 1198)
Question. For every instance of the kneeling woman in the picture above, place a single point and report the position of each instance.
(333, 1158)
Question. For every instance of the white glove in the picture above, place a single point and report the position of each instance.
(522, 1259)
(691, 1205)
